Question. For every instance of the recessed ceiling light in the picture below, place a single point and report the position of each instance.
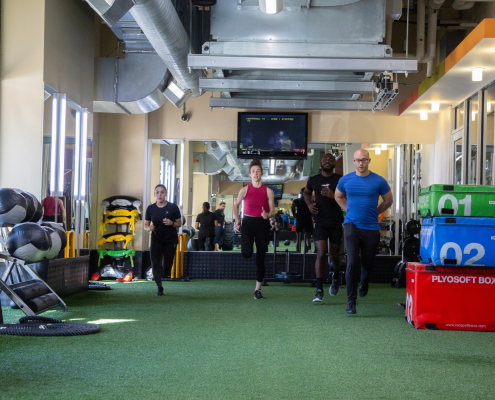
(423, 115)
(378, 151)
(384, 147)
(477, 74)
(435, 106)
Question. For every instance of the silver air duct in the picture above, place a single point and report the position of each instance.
(160, 23)
(134, 84)
(238, 166)
(290, 173)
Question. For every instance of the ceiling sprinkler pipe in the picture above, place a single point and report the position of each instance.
(436, 4)
(462, 5)
(420, 35)
(432, 41)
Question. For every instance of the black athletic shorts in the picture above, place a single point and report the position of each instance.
(331, 231)
(304, 225)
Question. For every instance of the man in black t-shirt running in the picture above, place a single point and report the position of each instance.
(328, 222)
(304, 222)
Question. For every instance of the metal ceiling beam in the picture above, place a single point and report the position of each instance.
(244, 85)
(201, 61)
(218, 102)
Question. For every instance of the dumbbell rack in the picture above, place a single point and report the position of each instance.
(49, 300)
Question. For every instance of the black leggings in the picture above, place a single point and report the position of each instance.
(255, 229)
(202, 240)
(159, 250)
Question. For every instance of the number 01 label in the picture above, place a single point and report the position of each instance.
(466, 202)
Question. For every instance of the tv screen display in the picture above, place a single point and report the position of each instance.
(272, 135)
(277, 190)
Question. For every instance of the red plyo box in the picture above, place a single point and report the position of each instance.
(450, 298)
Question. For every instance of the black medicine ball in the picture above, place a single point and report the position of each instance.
(29, 242)
(38, 212)
(287, 242)
(56, 243)
(59, 230)
(12, 207)
(30, 205)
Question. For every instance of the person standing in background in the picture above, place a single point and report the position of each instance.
(304, 222)
(219, 226)
(205, 222)
(285, 217)
(48, 204)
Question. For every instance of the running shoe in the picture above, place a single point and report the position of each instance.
(257, 295)
(159, 292)
(351, 308)
(318, 295)
(334, 287)
(363, 289)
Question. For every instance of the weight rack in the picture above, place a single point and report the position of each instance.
(33, 296)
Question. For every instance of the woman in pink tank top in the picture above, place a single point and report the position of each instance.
(259, 207)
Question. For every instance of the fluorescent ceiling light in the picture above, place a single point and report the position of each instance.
(489, 107)
(53, 157)
(271, 6)
(77, 154)
(423, 115)
(378, 151)
(473, 116)
(84, 151)
(384, 147)
(435, 106)
(477, 74)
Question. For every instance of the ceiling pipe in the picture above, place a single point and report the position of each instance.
(160, 23)
(420, 36)
(462, 5)
(431, 48)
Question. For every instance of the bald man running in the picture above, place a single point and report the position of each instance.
(358, 194)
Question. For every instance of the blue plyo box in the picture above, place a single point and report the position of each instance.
(463, 241)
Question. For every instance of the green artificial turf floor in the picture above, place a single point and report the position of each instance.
(209, 339)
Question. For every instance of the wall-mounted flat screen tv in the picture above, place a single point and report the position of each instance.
(277, 191)
(282, 136)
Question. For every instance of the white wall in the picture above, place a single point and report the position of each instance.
(443, 134)
(21, 99)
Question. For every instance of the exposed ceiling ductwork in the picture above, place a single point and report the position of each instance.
(161, 25)
(155, 40)
(270, 67)
(133, 85)
(221, 156)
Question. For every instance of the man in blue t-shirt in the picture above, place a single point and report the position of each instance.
(358, 193)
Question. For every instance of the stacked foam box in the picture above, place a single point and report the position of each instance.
(123, 212)
(453, 286)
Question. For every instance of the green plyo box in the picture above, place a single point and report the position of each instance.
(457, 200)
